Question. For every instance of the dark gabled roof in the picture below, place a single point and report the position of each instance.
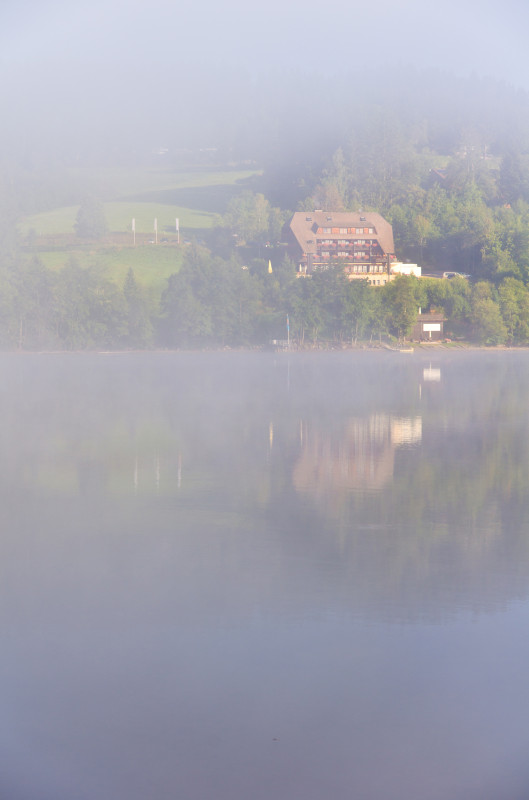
(431, 316)
(304, 225)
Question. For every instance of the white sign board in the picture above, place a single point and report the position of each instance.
(431, 326)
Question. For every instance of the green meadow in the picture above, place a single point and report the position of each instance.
(197, 198)
(152, 265)
(119, 216)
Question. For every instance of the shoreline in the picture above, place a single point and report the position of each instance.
(407, 348)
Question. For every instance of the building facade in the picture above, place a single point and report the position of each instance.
(361, 241)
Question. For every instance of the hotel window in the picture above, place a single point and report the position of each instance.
(342, 230)
(326, 230)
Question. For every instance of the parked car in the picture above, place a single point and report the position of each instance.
(450, 275)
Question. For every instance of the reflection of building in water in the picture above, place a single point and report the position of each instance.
(361, 458)
(431, 374)
(406, 430)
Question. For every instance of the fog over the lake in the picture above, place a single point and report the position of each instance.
(257, 575)
(175, 73)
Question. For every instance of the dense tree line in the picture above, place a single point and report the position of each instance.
(214, 301)
(76, 308)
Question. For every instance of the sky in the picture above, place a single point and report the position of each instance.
(141, 62)
(488, 37)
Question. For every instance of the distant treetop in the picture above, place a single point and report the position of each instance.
(91, 222)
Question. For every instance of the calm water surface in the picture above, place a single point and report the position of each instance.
(268, 577)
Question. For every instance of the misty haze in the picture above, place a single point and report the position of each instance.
(222, 579)
(264, 330)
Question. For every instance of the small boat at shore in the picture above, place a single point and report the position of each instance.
(399, 349)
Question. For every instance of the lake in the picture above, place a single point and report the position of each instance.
(266, 576)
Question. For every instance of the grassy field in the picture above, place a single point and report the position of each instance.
(197, 198)
(152, 265)
(119, 215)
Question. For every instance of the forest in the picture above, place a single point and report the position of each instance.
(444, 159)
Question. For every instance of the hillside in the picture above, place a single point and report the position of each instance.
(197, 198)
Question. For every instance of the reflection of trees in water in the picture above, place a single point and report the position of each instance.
(64, 416)
(401, 569)
(418, 531)
(378, 498)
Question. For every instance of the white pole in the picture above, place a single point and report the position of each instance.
(156, 230)
(134, 230)
(177, 230)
